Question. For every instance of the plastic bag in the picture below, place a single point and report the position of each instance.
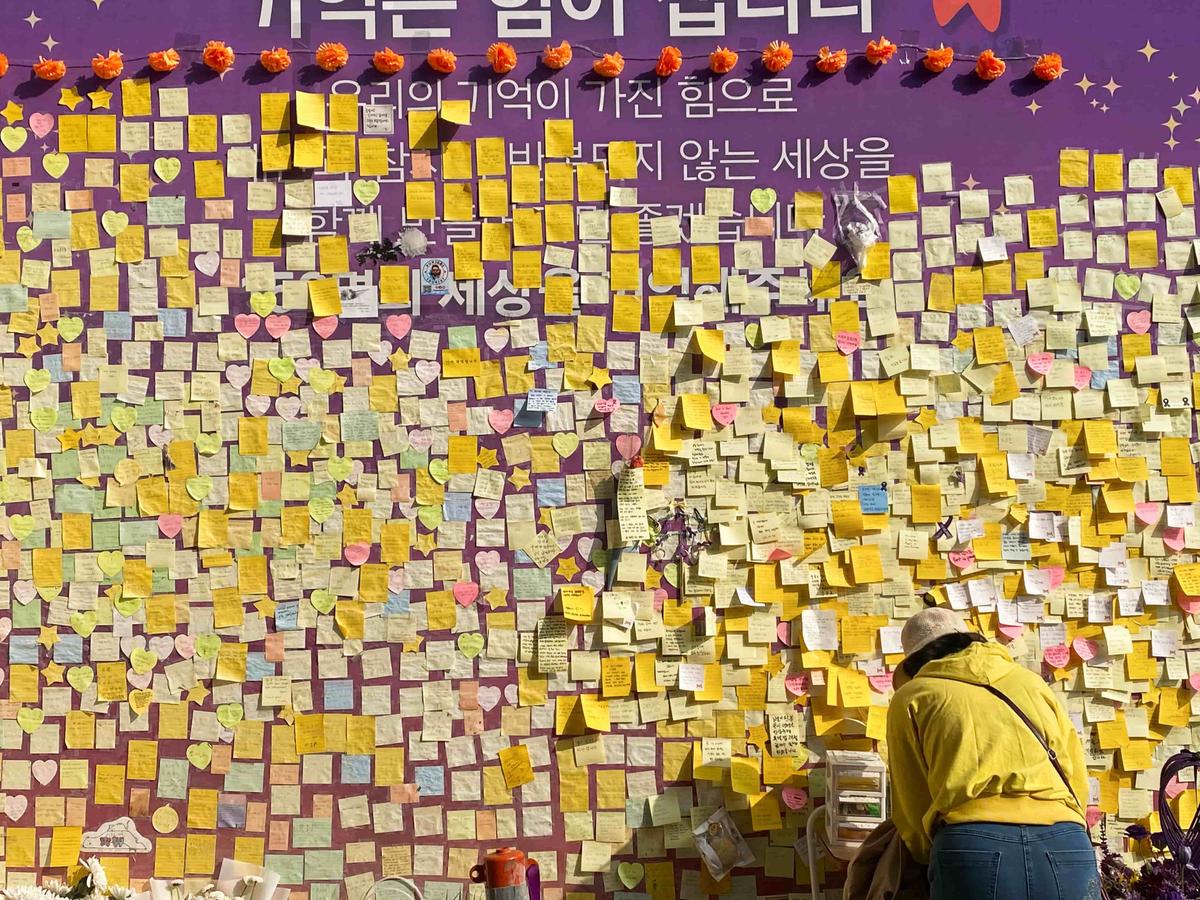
(859, 229)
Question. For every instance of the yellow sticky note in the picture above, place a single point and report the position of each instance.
(560, 137)
(456, 112)
(516, 766)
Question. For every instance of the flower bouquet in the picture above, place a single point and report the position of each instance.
(237, 881)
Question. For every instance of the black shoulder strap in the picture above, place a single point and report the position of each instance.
(1037, 734)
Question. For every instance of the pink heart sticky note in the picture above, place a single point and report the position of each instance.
(1093, 815)
(881, 683)
(398, 326)
(1057, 656)
(1174, 538)
(1085, 648)
(795, 798)
(246, 324)
(357, 554)
(1083, 377)
(170, 524)
(487, 507)
(397, 579)
(1194, 681)
(797, 683)
(501, 420)
(488, 696)
(848, 341)
(1041, 363)
(1138, 321)
(1057, 574)
(278, 326)
(466, 592)
(962, 559)
(1012, 632)
(1148, 513)
(784, 631)
(185, 645)
(427, 370)
(488, 561)
(724, 413)
(325, 326)
(628, 445)
(606, 405)
(41, 123)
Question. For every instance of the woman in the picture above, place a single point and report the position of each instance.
(975, 793)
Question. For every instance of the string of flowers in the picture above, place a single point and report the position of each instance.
(502, 57)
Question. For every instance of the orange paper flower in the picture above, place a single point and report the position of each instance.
(777, 56)
(670, 61)
(49, 69)
(610, 65)
(989, 66)
(880, 51)
(442, 60)
(218, 57)
(3, 65)
(164, 60)
(108, 67)
(830, 61)
(331, 56)
(722, 60)
(275, 61)
(387, 61)
(938, 60)
(558, 57)
(1048, 67)
(503, 57)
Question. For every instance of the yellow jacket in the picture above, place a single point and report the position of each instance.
(956, 753)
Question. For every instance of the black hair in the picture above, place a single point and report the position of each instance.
(939, 647)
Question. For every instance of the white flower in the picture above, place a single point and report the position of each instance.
(26, 892)
(413, 242)
(96, 875)
(119, 892)
(54, 886)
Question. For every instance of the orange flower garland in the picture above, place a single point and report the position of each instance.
(670, 61)
(441, 60)
(1048, 67)
(275, 61)
(777, 56)
(557, 57)
(49, 69)
(938, 60)
(830, 61)
(218, 57)
(989, 66)
(3, 65)
(503, 57)
(610, 65)
(722, 60)
(108, 67)
(164, 60)
(331, 56)
(387, 61)
(880, 51)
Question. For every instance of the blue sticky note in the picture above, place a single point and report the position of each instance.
(431, 780)
(526, 418)
(552, 491)
(356, 769)
(258, 667)
(69, 649)
(872, 499)
(539, 356)
(627, 389)
(397, 603)
(118, 326)
(339, 694)
(23, 649)
(287, 615)
(456, 507)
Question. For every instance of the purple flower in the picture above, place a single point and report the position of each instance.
(1137, 832)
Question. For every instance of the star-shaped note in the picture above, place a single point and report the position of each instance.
(496, 598)
(653, 579)
(599, 378)
(53, 673)
(567, 567)
(347, 497)
(519, 478)
(13, 112)
(70, 98)
(197, 695)
(69, 439)
(266, 607)
(757, 735)
(101, 99)
(297, 457)
(108, 436)
(544, 518)
(27, 346)
(48, 334)
(426, 543)
(414, 646)
(48, 636)
(486, 458)
(399, 360)
(927, 417)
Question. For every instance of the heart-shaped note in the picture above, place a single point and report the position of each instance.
(199, 486)
(30, 719)
(167, 168)
(471, 644)
(122, 418)
(44, 770)
(606, 406)
(326, 326)
(1174, 538)
(80, 677)
(110, 561)
(1138, 321)
(262, 302)
(140, 700)
(763, 199)
(848, 341)
(208, 646)
(26, 239)
(565, 443)
(497, 338)
(322, 601)
(357, 554)
(185, 645)
(114, 222)
(1148, 513)
(37, 380)
(41, 124)
(1057, 656)
(277, 327)
(398, 326)
(84, 623)
(246, 324)
(500, 419)
(1127, 285)
(427, 370)
(724, 413)
(70, 327)
(320, 509)
(281, 368)
(199, 755)
(365, 190)
(1085, 648)
(208, 263)
(170, 524)
(962, 559)
(143, 660)
(229, 714)
(795, 798)
(55, 164)
(465, 592)
(628, 445)
(1041, 363)
(431, 516)
(15, 806)
(631, 874)
(488, 697)
(13, 137)
(321, 380)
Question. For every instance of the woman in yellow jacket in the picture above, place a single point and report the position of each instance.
(975, 790)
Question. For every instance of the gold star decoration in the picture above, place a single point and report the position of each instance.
(1112, 87)
(53, 673)
(496, 598)
(197, 695)
(653, 579)
(69, 439)
(487, 458)
(70, 98)
(347, 496)
(519, 478)
(27, 346)
(13, 112)
(48, 636)
(1148, 51)
(599, 378)
(757, 735)
(426, 543)
(544, 518)
(266, 607)
(1033, 106)
(399, 360)
(298, 457)
(567, 567)
(108, 436)
(48, 334)
(101, 99)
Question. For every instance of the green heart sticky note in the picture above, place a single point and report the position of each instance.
(671, 573)
(470, 645)
(439, 470)
(80, 677)
(282, 368)
(70, 327)
(143, 660)
(114, 222)
(338, 467)
(21, 526)
(320, 509)
(229, 714)
(1127, 285)
(127, 606)
(365, 190)
(37, 380)
(208, 444)
(207, 646)
(26, 239)
(14, 137)
(430, 516)
(122, 418)
(140, 700)
(83, 623)
(631, 873)
(30, 719)
(199, 755)
(110, 561)
(565, 443)
(321, 380)
(55, 164)
(199, 486)
(262, 302)
(44, 418)
(167, 168)
(763, 199)
(753, 334)
(322, 601)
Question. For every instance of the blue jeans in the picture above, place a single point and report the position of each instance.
(984, 861)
